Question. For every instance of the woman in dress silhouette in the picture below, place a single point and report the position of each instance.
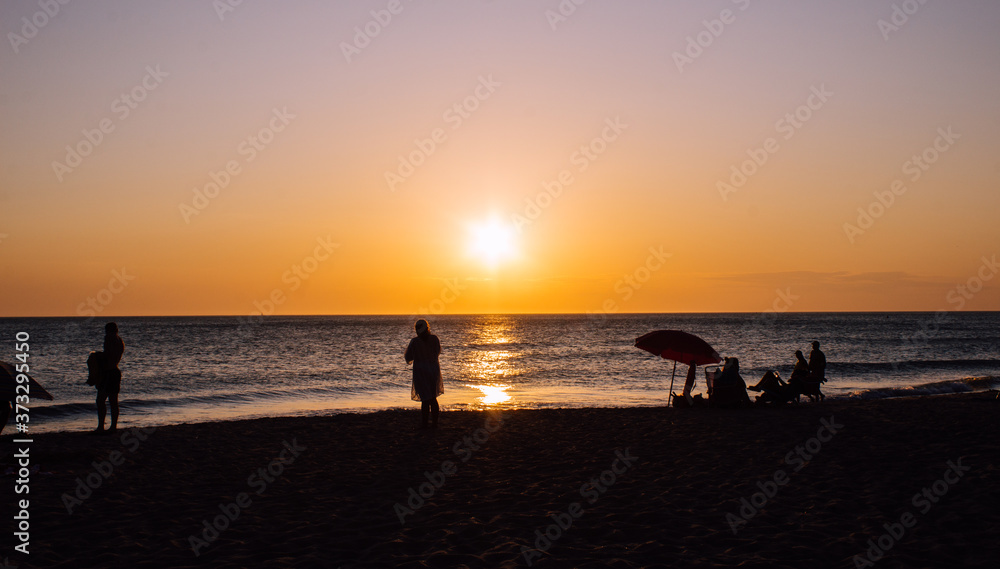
(423, 352)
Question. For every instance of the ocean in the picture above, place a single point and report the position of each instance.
(193, 369)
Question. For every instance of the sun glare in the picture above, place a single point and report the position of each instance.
(493, 394)
(492, 242)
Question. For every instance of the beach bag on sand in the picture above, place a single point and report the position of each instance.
(682, 402)
(95, 368)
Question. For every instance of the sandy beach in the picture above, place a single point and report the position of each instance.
(800, 486)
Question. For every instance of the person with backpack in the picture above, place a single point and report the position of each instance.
(110, 380)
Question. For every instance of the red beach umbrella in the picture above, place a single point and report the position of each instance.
(680, 347)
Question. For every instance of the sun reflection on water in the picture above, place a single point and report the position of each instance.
(493, 394)
(490, 367)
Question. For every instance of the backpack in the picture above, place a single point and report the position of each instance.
(95, 368)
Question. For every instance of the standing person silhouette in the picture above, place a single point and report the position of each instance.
(817, 363)
(423, 351)
(111, 382)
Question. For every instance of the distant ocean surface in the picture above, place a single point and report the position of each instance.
(191, 369)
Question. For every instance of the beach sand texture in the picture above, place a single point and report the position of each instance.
(333, 502)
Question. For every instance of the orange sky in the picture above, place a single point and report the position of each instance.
(618, 99)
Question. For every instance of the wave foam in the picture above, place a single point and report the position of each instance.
(935, 388)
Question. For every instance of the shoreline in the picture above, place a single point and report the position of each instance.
(331, 486)
(932, 389)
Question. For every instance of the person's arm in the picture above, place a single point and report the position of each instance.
(409, 352)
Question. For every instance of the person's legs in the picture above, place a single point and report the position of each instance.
(688, 386)
(425, 409)
(434, 412)
(114, 411)
(102, 409)
(112, 385)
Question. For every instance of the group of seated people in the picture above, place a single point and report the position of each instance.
(727, 389)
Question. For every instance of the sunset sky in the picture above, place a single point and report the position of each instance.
(406, 172)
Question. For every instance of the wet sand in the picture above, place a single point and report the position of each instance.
(669, 489)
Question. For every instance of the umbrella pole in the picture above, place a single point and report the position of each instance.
(672, 383)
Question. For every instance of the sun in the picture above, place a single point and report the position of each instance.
(492, 242)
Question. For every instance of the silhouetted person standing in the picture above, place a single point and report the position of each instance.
(817, 363)
(423, 351)
(111, 381)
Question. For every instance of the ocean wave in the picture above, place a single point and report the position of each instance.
(935, 388)
(917, 363)
(60, 410)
